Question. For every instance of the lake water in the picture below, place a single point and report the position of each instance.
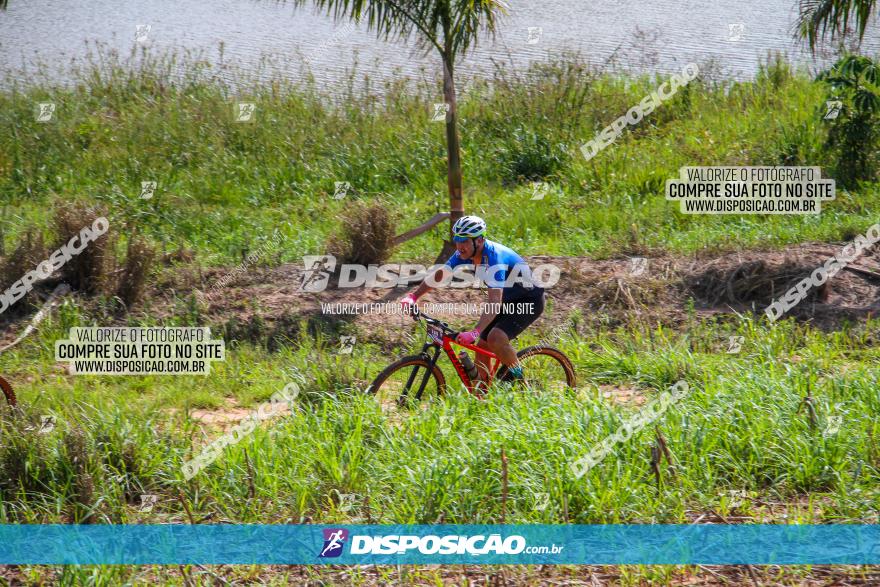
(659, 36)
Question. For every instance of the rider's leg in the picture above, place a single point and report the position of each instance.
(499, 343)
(482, 361)
(507, 328)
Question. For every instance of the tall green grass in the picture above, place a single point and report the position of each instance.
(739, 428)
(226, 187)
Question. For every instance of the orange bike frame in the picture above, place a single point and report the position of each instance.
(494, 363)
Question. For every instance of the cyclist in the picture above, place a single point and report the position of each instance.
(514, 301)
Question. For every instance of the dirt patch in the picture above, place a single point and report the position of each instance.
(619, 291)
(266, 304)
(224, 417)
(743, 508)
(611, 292)
(221, 420)
(619, 394)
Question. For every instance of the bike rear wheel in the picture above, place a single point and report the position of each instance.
(545, 369)
(7, 392)
(407, 382)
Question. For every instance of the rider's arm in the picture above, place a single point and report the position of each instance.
(424, 288)
(492, 309)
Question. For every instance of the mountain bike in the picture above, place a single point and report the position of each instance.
(417, 377)
(7, 392)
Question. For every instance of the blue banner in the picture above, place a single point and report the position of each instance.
(441, 544)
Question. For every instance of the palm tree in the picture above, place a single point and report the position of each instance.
(821, 18)
(451, 27)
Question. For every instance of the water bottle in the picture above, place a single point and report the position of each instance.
(468, 365)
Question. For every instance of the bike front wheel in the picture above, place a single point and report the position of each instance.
(408, 382)
(545, 369)
(7, 392)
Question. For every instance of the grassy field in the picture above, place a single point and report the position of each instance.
(117, 128)
(733, 431)
(743, 451)
(744, 448)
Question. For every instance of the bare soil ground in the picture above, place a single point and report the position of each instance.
(615, 292)
(607, 292)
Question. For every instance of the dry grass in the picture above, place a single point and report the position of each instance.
(367, 236)
(132, 281)
(90, 271)
(750, 281)
(30, 252)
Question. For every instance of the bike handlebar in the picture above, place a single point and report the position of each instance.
(418, 314)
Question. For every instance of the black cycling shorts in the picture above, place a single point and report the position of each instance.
(516, 316)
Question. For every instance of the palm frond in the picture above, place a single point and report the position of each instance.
(471, 18)
(450, 26)
(819, 19)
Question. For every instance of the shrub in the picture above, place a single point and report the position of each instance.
(24, 259)
(367, 236)
(854, 137)
(89, 271)
(138, 260)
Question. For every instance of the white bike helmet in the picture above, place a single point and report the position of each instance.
(468, 227)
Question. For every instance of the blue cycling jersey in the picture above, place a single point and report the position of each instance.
(501, 268)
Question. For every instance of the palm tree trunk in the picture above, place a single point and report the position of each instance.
(453, 151)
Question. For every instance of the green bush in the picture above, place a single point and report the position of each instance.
(854, 137)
